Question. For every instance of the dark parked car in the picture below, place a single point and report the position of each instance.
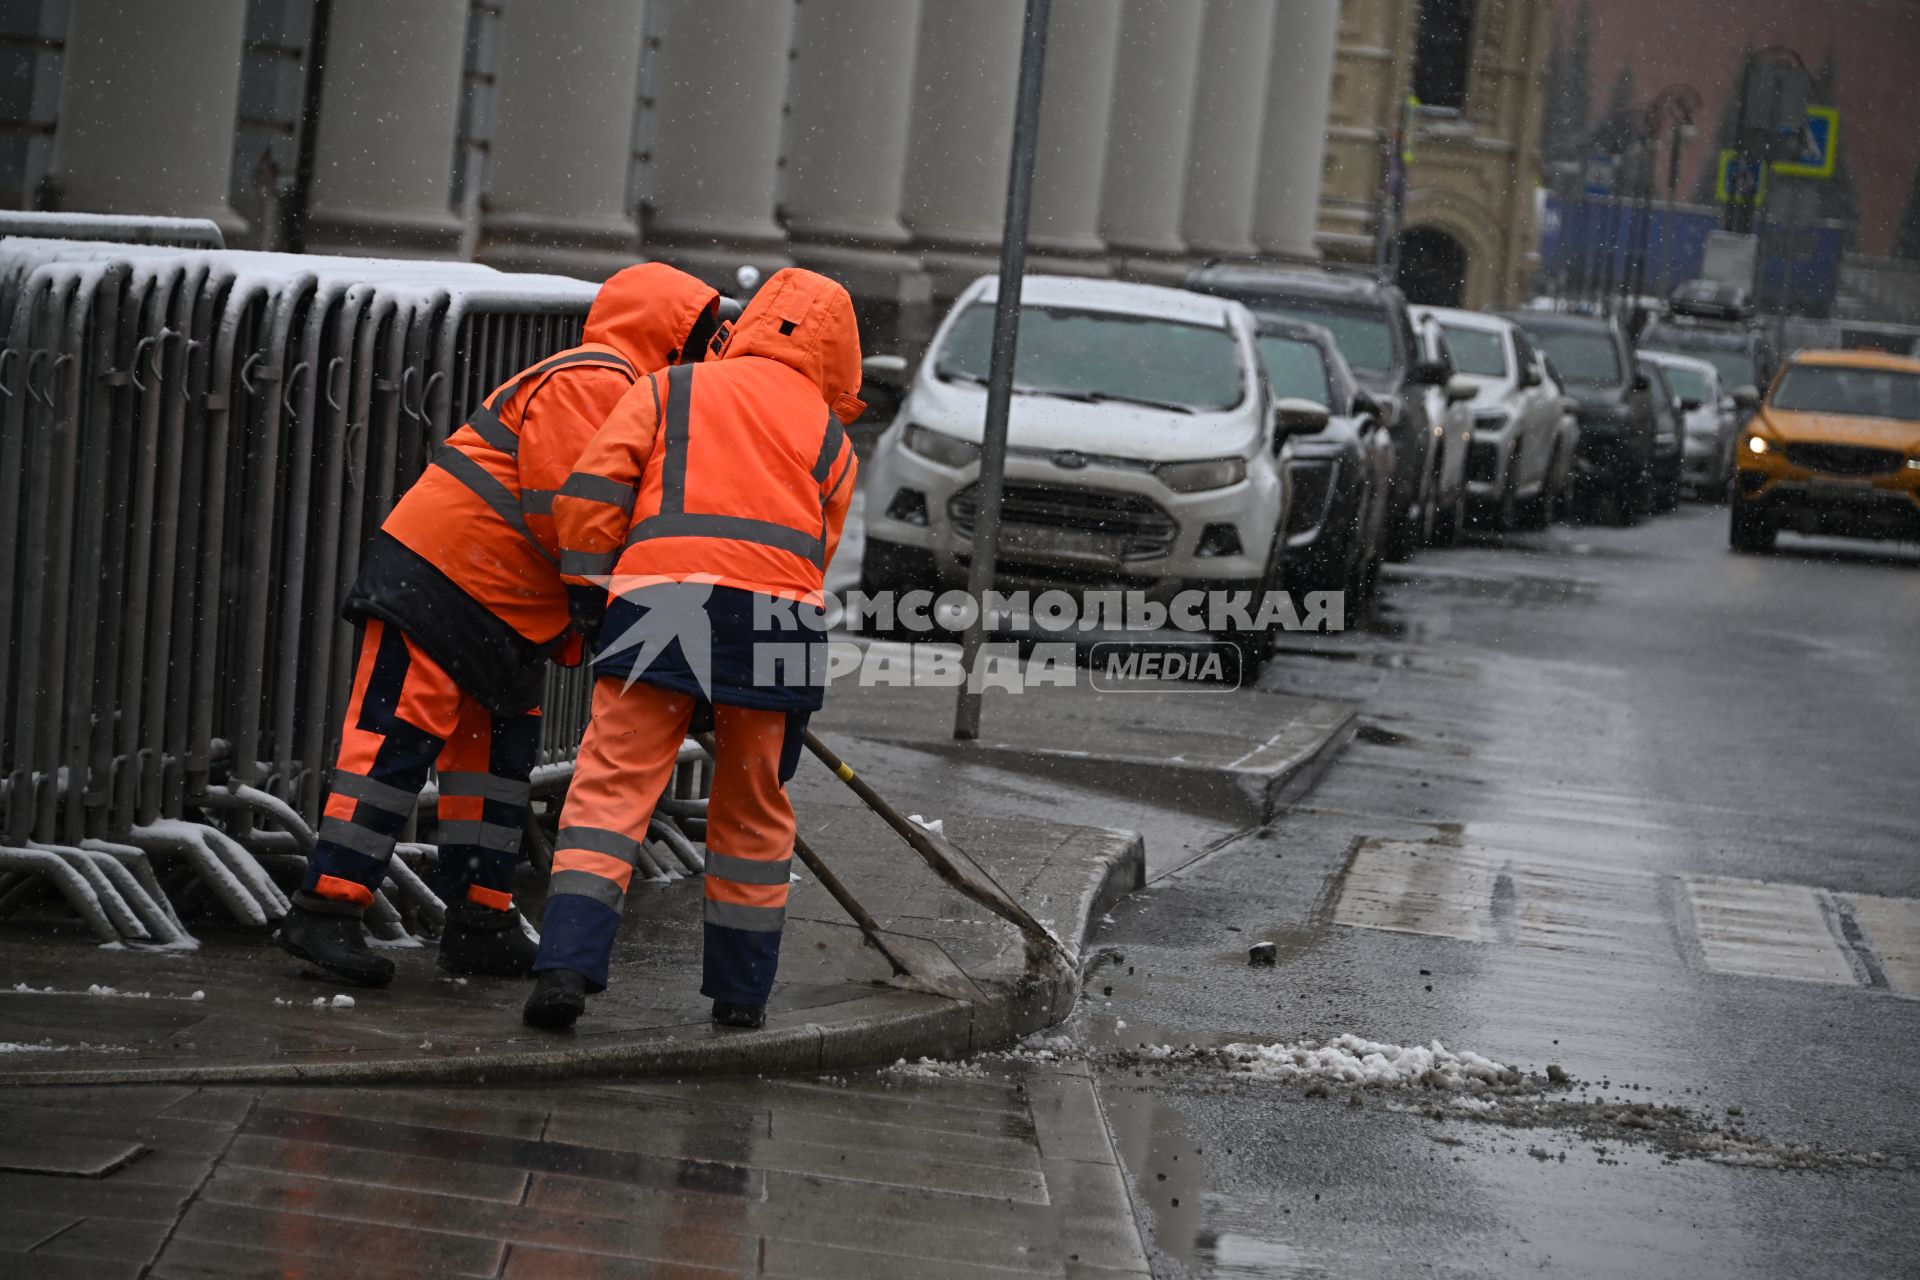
(1742, 354)
(1669, 432)
(1613, 469)
(1369, 322)
(1336, 527)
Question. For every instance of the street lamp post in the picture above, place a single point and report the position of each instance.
(1672, 110)
(1006, 335)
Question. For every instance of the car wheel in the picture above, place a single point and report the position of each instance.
(1446, 528)
(1748, 531)
(889, 567)
(1666, 493)
(1410, 529)
(1535, 513)
(1635, 497)
(1256, 643)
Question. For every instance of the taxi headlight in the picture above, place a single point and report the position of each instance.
(937, 446)
(1198, 477)
(1758, 444)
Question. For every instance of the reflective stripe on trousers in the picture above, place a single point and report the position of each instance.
(625, 763)
(406, 715)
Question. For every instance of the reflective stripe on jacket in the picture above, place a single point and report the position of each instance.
(467, 563)
(483, 511)
(738, 472)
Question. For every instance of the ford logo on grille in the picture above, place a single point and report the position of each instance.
(1069, 460)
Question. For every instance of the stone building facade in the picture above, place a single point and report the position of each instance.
(1468, 228)
(864, 137)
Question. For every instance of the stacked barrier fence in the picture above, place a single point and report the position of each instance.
(194, 447)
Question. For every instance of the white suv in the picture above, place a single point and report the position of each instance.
(1143, 451)
(1523, 439)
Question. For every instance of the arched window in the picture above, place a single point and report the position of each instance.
(1433, 267)
(1444, 53)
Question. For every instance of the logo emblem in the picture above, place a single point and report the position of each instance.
(1069, 460)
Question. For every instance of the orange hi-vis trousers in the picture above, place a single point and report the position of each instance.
(405, 716)
(626, 761)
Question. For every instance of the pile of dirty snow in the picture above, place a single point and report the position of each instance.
(933, 1069)
(1348, 1059)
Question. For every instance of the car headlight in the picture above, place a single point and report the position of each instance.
(937, 446)
(1758, 444)
(1198, 477)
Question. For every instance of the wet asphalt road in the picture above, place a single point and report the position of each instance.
(1622, 802)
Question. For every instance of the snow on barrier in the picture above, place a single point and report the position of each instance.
(195, 445)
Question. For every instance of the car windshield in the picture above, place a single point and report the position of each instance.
(1363, 334)
(1582, 357)
(1735, 362)
(1856, 393)
(1689, 384)
(1102, 355)
(1477, 351)
(1295, 369)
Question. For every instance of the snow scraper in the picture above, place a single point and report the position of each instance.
(920, 962)
(952, 864)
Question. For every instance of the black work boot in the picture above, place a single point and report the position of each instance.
(328, 934)
(747, 1017)
(486, 942)
(559, 998)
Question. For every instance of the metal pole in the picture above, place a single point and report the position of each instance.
(1739, 215)
(1006, 334)
(1673, 197)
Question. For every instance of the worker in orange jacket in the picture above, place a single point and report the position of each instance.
(710, 504)
(461, 604)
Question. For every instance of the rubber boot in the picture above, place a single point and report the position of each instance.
(559, 998)
(747, 1017)
(328, 934)
(486, 942)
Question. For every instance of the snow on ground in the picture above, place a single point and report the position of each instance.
(934, 1069)
(99, 989)
(1347, 1059)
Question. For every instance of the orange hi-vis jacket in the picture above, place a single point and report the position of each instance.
(738, 472)
(467, 563)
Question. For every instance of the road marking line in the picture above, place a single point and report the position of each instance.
(1757, 929)
(1478, 895)
(1753, 928)
(1891, 927)
(1406, 886)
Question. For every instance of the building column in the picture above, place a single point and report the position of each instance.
(147, 109)
(850, 108)
(1293, 148)
(1076, 104)
(1223, 160)
(389, 118)
(1149, 130)
(720, 84)
(563, 141)
(955, 196)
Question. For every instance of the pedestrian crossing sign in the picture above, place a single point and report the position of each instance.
(1740, 179)
(1814, 153)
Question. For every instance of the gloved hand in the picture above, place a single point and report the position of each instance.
(588, 605)
(572, 650)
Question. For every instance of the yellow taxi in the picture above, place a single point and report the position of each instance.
(1834, 448)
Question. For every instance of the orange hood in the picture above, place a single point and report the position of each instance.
(645, 313)
(805, 321)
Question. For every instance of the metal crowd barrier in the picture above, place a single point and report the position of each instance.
(194, 447)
